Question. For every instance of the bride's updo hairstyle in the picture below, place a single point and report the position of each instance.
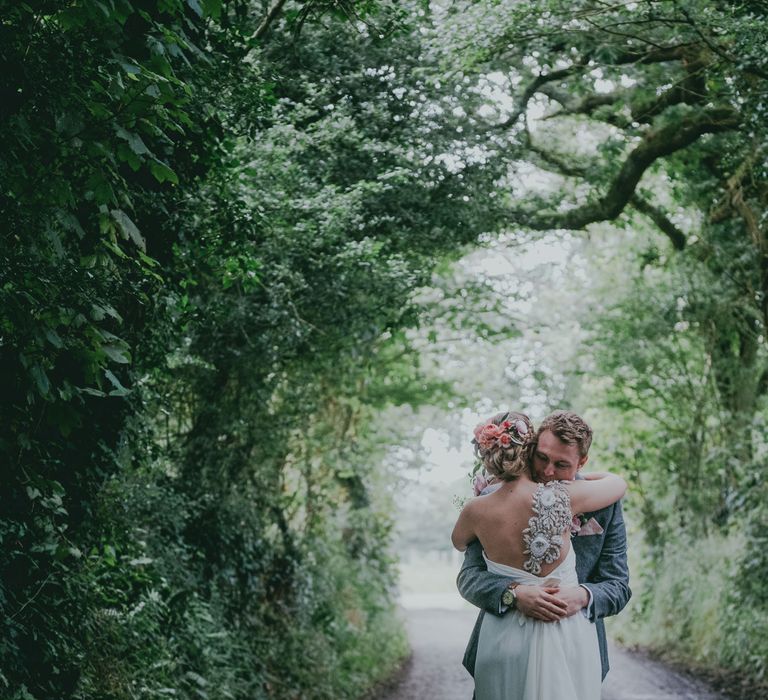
(503, 444)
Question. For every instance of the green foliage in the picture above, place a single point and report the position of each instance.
(695, 613)
(218, 231)
(209, 259)
(680, 397)
(697, 604)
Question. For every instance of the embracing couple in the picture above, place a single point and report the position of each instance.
(546, 556)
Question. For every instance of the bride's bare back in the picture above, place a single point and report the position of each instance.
(500, 520)
(526, 525)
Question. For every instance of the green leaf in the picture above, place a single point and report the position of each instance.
(134, 141)
(100, 189)
(128, 156)
(54, 338)
(117, 353)
(119, 389)
(128, 228)
(41, 380)
(148, 261)
(115, 249)
(99, 311)
(70, 222)
(140, 561)
(132, 70)
(195, 6)
(162, 172)
(212, 8)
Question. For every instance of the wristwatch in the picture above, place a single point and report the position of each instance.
(509, 597)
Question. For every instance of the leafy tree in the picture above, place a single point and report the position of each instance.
(211, 252)
(668, 99)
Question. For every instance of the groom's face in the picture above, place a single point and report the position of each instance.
(554, 459)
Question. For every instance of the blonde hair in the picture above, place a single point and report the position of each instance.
(507, 462)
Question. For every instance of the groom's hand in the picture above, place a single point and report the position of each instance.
(541, 603)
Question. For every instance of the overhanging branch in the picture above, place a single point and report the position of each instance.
(532, 88)
(270, 17)
(690, 89)
(659, 217)
(662, 54)
(548, 160)
(584, 105)
(656, 144)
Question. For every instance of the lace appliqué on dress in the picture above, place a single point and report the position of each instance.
(543, 537)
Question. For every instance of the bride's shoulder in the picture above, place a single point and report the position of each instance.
(483, 499)
(475, 503)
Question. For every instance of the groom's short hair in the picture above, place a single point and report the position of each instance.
(572, 429)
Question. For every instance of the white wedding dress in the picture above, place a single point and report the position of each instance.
(520, 658)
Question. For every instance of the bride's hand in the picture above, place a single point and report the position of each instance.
(540, 603)
(575, 597)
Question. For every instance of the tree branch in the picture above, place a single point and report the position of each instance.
(719, 50)
(662, 54)
(659, 217)
(656, 144)
(272, 14)
(736, 197)
(688, 90)
(533, 88)
(586, 105)
(552, 161)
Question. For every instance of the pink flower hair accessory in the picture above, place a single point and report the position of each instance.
(479, 482)
(504, 434)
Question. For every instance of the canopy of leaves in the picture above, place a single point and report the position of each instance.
(219, 221)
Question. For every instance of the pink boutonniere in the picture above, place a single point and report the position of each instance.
(581, 526)
(576, 524)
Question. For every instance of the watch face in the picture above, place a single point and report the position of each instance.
(508, 598)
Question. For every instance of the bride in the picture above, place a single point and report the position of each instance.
(524, 529)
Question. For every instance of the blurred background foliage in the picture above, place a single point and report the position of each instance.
(237, 281)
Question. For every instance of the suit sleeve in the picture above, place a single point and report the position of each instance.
(608, 581)
(479, 586)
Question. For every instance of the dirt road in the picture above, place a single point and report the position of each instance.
(435, 671)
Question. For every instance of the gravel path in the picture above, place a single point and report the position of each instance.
(438, 638)
(435, 671)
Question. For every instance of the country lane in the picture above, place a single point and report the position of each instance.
(438, 637)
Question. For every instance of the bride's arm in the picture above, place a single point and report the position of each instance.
(595, 491)
(464, 530)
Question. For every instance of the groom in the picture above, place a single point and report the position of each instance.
(600, 546)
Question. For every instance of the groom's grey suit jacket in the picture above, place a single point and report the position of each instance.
(601, 565)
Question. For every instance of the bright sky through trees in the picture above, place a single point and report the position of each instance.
(505, 268)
